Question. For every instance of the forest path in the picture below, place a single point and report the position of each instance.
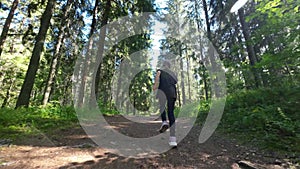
(72, 148)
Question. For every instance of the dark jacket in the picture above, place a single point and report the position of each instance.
(167, 82)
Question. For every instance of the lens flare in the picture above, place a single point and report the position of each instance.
(238, 5)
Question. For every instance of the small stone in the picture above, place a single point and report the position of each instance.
(235, 166)
(277, 162)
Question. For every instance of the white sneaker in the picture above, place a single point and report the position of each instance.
(164, 127)
(172, 141)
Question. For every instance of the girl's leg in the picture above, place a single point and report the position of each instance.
(162, 107)
(171, 116)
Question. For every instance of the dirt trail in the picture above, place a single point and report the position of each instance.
(72, 148)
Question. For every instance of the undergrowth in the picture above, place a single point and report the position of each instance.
(22, 122)
(266, 117)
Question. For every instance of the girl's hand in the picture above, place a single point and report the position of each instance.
(155, 86)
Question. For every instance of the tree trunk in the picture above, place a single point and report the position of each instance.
(204, 71)
(66, 99)
(249, 46)
(198, 21)
(2, 76)
(7, 97)
(211, 54)
(24, 96)
(207, 19)
(83, 74)
(101, 46)
(86, 59)
(182, 76)
(56, 56)
(134, 105)
(119, 83)
(123, 101)
(206, 89)
(178, 98)
(7, 24)
(242, 59)
(188, 76)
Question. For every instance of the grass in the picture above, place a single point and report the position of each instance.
(266, 117)
(26, 122)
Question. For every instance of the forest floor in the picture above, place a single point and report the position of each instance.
(72, 148)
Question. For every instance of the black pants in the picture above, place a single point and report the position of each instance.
(167, 97)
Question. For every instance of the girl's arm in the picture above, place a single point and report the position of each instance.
(156, 82)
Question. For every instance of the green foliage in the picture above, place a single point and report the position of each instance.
(203, 109)
(107, 111)
(267, 115)
(188, 110)
(140, 90)
(16, 123)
